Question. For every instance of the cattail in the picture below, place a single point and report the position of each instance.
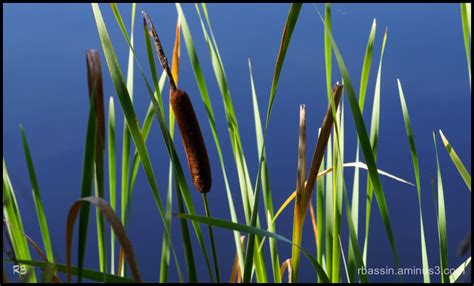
(191, 135)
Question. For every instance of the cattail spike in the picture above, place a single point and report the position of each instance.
(159, 49)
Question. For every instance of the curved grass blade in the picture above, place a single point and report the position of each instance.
(114, 222)
(442, 234)
(131, 117)
(255, 231)
(43, 223)
(112, 175)
(366, 147)
(457, 162)
(11, 214)
(86, 273)
(414, 156)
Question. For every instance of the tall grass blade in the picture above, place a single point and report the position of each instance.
(126, 133)
(165, 248)
(298, 215)
(366, 147)
(442, 233)
(457, 162)
(112, 176)
(366, 66)
(211, 236)
(114, 222)
(329, 196)
(94, 80)
(43, 223)
(344, 261)
(126, 181)
(130, 115)
(411, 140)
(338, 182)
(329, 209)
(125, 194)
(243, 174)
(285, 41)
(11, 214)
(327, 49)
(146, 127)
(466, 30)
(320, 197)
(353, 238)
(267, 195)
(374, 135)
(362, 92)
(87, 181)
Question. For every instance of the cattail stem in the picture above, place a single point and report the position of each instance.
(211, 235)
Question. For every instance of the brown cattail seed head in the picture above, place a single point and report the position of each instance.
(193, 141)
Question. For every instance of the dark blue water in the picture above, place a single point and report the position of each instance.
(44, 76)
